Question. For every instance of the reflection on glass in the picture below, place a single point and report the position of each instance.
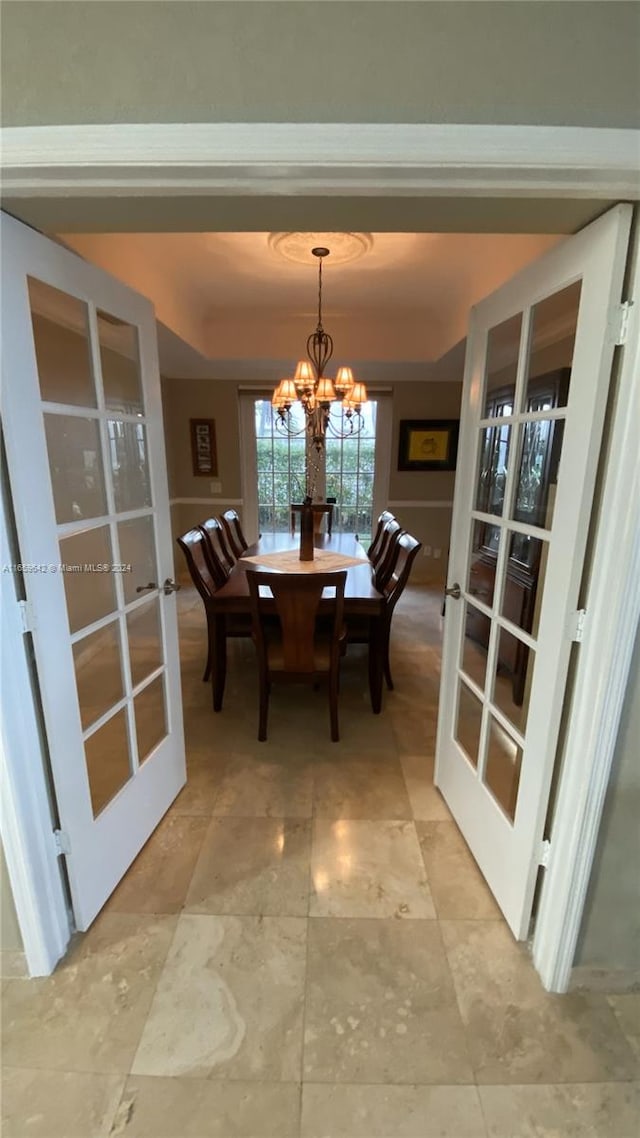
(524, 587)
(468, 722)
(98, 674)
(128, 458)
(120, 365)
(145, 646)
(151, 720)
(502, 769)
(485, 540)
(60, 334)
(503, 345)
(535, 491)
(89, 590)
(512, 684)
(553, 332)
(474, 645)
(107, 759)
(138, 550)
(75, 462)
(492, 469)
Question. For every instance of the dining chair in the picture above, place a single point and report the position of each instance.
(360, 630)
(237, 540)
(217, 547)
(194, 546)
(384, 558)
(373, 550)
(297, 646)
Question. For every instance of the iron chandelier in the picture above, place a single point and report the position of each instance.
(316, 392)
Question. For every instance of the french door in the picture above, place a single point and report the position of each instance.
(538, 364)
(85, 452)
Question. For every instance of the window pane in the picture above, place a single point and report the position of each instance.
(512, 685)
(145, 641)
(468, 722)
(89, 590)
(503, 345)
(553, 331)
(151, 719)
(502, 770)
(138, 550)
(129, 465)
(492, 469)
(107, 759)
(474, 645)
(98, 673)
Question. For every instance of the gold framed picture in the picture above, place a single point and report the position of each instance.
(428, 444)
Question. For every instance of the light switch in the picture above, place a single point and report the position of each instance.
(216, 486)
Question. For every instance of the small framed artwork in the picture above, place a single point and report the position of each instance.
(428, 444)
(204, 455)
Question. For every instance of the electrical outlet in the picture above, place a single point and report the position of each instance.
(426, 551)
(437, 553)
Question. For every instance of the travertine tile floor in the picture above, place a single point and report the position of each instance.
(305, 947)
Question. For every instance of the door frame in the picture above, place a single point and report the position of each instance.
(397, 160)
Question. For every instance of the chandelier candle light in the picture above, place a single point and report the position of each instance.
(316, 392)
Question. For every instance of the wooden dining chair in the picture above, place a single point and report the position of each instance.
(360, 630)
(237, 540)
(194, 546)
(297, 646)
(374, 548)
(217, 548)
(384, 559)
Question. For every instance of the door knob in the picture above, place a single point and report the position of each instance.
(454, 591)
(170, 587)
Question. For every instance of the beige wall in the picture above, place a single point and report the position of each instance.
(610, 934)
(497, 62)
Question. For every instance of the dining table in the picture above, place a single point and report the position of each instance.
(279, 552)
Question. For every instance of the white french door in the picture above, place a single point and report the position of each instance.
(85, 449)
(538, 364)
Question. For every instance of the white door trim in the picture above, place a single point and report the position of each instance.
(363, 159)
(602, 672)
(25, 815)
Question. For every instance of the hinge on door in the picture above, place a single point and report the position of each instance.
(577, 625)
(26, 616)
(61, 842)
(618, 323)
(545, 850)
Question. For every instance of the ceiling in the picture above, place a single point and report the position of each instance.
(230, 306)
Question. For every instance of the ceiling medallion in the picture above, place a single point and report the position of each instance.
(296, 247)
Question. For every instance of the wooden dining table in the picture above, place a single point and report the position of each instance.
(361, 598)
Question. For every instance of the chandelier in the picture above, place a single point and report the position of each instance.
(316, 392)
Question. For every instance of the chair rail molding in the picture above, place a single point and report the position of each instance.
(332, 158)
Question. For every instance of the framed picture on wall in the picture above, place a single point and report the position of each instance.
(428, 444)
(204, 455)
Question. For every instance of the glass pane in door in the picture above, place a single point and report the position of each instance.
(512, 682)
(468, 722)
(119, 359)
(503, 347)
(61, 337)
(537, 481)
(90, 590)
(502, 768)
(145, 644)
(108, 760)
(128, 458)
(474, 645)
(137, 543)
(151, 717)
(553, 332)
(98, 672)
(75, 462)
(481, 578)
(492, 469)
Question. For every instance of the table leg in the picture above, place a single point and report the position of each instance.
(219, 660)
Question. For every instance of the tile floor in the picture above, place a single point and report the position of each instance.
(305, 948)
